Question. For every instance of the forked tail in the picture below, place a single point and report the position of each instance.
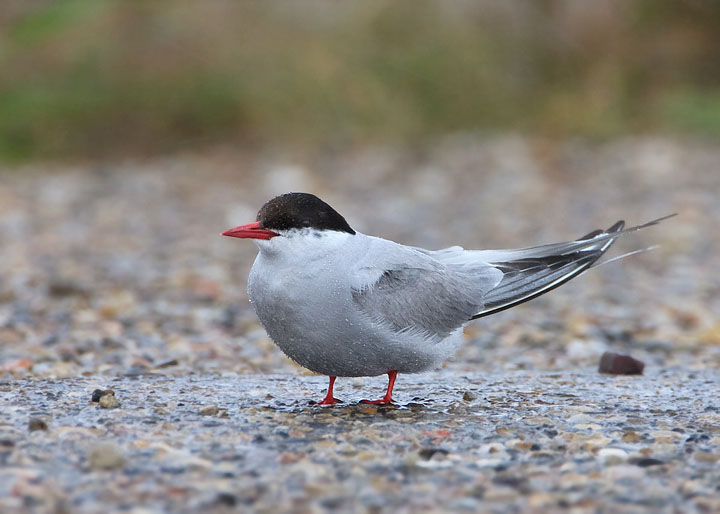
(531, 272)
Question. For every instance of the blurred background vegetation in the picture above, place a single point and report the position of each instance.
(99, 78)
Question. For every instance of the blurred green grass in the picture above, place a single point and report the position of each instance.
(90, 78)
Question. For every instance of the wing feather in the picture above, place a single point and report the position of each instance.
(437, 292)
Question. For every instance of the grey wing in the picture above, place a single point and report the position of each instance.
(527, 273)
(432, 300)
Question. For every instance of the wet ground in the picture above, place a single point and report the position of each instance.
(114, 277)
(500, 442)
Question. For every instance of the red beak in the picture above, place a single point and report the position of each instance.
(250, 231)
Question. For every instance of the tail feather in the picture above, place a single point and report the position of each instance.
(531, 272)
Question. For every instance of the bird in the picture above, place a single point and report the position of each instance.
(344, 304)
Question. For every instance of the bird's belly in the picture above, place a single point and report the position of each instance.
(331, 337)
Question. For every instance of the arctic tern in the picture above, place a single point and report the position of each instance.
(342, 303)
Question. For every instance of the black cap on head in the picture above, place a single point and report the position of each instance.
(301, 210)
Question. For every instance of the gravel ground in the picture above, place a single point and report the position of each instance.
(114, 276)
(512, 441)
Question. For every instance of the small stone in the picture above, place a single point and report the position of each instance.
(99, 393)
(106, 455)
(429, 453)
(166, 364)
(290, 457)
(616, 364)
(521, 445)
(469, 396)
(226, 499)
(578, 419)
(646, 462)
(36, 424)
(613, 455)
(108, 401)
(210, 410)
(62, 289)
(706, 457)
(631, 437)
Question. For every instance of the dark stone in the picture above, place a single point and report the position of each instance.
(228, 320)
(226, 499)
(516, 482)
(166, 364)
(427, 453)
(62, 289)
(99, 393)
(333, 504)
(36, 424)
(616, 364)
(51, 340)
(646, 462)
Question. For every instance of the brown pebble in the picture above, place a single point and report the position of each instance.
(469, 396)
(108, 401)
(106, 455)
(290, 457)
(210, 410)
(631, 437)
(36, 424)
(616, 364)
(61, 289)
(166, 364)
(428, 453)
(707, 457)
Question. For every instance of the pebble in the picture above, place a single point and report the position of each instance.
(108, 401)
(209, 410)
(469, 396)
(616, 364)
(707, 456)
(631, 436)
(106, 455)
(36, 424)
(613, 455)
(99, 393)
(646, 462)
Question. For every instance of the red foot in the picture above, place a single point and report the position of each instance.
(392, 375)
(329, 398)
(381, 401)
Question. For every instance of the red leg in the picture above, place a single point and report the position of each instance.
(392, 375)
(329, 399)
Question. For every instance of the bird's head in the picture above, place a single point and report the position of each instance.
(290, 214)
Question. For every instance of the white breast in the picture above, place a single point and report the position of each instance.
(301, 288)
